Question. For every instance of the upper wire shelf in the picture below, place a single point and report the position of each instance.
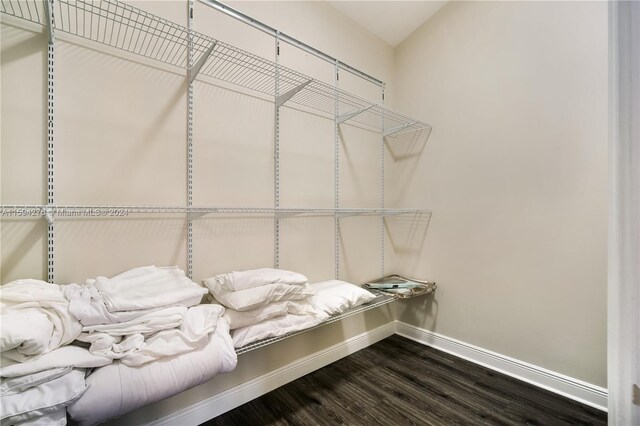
(50, 211)
(122, 26)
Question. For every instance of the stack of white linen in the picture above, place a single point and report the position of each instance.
(40, 375)
(264, 303)
(142, 314)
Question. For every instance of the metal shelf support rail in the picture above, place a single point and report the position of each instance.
(51, 53)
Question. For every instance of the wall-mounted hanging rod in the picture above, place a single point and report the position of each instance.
(288, 39)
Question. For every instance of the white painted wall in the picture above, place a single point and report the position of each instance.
(516, 175)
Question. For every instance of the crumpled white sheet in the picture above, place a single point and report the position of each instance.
(35, 319)
(137, 349)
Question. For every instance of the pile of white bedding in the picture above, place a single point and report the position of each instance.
(40, 375)
(263, 303)
(149, 320)
(144, 310)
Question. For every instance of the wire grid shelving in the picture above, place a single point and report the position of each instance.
(135, 31)
(380, 300)
(125, 27)
(34, 210)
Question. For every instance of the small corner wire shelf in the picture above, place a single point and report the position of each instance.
(125, 27)
(380, 300)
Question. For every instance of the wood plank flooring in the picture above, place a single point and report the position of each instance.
(401, 382)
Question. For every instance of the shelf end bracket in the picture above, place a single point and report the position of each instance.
(280, 100)
(200, 63)
(348, 116)
(48, 8)
(393, 130)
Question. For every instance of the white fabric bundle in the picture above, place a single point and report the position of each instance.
(242, 280)
(275, 327)
(35, 319)
(117, 389)
(63, 357)
(137, 349)
(147, 287)
(255, 297)
(42, 398)
(334, 296)
(87, 304)
(239, 319)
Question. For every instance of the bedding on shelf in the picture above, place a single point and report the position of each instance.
(269, 303)
(118, 389)
(142, 314)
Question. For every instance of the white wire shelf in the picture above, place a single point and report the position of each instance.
(122, 26)
(35, 210)
(380, 300)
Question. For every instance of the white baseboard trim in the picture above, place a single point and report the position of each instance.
(221, 403)
(569, 387)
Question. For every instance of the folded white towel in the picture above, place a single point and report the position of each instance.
(242, 280)
(147, 288)
(239, 319)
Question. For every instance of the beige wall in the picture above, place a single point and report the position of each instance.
(516, 175)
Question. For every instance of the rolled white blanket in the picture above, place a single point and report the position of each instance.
(35, 319)
(242, 280)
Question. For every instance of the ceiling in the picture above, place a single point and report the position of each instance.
(392, 21)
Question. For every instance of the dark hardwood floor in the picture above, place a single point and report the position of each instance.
(400, 382)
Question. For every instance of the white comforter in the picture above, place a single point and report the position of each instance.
(35, 319)
(242, 280)
(117, 388)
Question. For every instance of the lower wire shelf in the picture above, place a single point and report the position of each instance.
(380, 300)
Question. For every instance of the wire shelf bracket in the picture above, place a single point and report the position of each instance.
(201, 61)
(348, 116)
(282, 99)
(393, 130)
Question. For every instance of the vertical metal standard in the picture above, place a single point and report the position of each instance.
(50, 139)
(190, 138)
(336, 219)
(382, 218)
(276, 156)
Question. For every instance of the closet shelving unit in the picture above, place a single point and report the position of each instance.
(134, 31)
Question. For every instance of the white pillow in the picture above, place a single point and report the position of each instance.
(334, 296)
(239, 319)
(276, 327)
(43, 399)
(252, 298)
